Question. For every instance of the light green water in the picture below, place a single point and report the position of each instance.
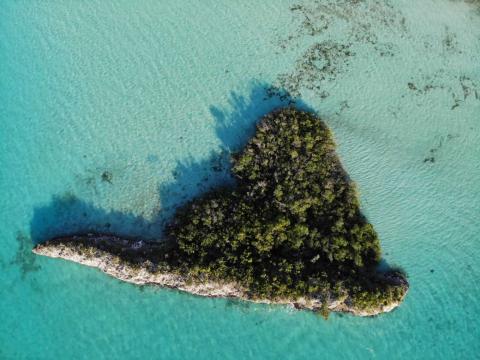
(154, 94)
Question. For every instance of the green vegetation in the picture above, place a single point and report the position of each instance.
(290, 227)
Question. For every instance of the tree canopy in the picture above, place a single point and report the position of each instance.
(291, 226)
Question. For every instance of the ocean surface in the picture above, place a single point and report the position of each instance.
(112, 113)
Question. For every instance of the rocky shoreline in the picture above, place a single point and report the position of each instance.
(107, 253)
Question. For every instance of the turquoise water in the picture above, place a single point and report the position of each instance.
(114, 112)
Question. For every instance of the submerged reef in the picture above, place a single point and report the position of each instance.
(289, 231)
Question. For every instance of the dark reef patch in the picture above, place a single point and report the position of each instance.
(440, 141)
(107, 176)
(325, 59)
(463, 89)
(24, 257)
(343, 106)
(361, 25)
(450, 42)
(361, 17)
(95, 178)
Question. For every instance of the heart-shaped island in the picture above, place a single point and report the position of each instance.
(290, 231)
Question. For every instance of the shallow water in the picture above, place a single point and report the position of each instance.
(114, 112)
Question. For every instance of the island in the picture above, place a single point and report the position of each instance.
(288, 231)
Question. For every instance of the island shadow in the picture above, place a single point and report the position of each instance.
(67, 214)
(235, 124)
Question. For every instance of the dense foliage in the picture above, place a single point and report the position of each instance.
(291, 226)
